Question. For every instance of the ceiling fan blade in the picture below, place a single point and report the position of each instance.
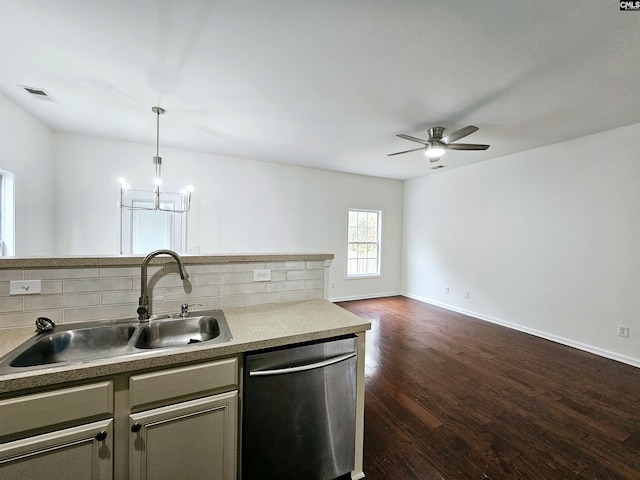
(406, 151)
(466, 146)
(458, 134)
(413, 139)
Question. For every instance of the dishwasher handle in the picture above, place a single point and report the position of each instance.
(302, 368)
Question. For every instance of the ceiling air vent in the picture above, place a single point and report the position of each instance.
(39, 93)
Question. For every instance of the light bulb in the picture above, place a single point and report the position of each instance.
(434, 151)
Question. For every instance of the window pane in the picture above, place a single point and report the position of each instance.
(363, 243)
(372, 267)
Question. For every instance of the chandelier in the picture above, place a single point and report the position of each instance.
(185, 193)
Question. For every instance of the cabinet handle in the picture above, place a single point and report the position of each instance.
(136, 427)
(101, 436)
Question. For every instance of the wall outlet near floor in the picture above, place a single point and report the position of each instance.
(446, 290)
(262, 275)
(25, 287)
(466, 294)
(623, 331)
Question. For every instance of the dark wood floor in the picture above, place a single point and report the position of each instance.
(449, 397)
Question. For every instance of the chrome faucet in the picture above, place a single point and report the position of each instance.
(143, 309)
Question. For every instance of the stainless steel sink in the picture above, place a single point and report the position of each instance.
(81, 342)
(75, 345)
(185, 331)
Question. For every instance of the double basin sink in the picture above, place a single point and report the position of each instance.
(79, 342)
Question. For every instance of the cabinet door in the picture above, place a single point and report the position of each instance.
(78, 453)
(194, 440)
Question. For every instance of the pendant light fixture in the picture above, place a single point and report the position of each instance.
(185, 193)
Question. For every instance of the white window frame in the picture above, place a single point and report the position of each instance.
(174, 236)
(7, 216)
(350, 241)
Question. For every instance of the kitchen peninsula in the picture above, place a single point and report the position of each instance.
(289, 309)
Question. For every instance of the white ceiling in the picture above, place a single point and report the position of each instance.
(325, 83)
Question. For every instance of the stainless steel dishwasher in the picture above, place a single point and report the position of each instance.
(299, 411)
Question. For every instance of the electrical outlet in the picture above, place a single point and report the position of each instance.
(25, 287)
(446, 290)
(262, 275)
(623, 331)
(193, 250)
(466, 294)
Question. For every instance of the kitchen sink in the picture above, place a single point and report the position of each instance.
(81, 342)
(75, 345)
(185, 331)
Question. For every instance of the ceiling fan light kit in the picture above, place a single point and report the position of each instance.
(437, 145)
(434, 151)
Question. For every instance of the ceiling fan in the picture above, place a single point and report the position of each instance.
(436, 146)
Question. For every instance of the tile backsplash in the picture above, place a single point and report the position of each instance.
(74, 294)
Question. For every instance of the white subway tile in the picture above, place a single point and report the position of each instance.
(241, 267)
(217, 279)
(11, 274)
(28, 318)
(200, 269)
(84, 314)
(303, 295)
(304, 274)
(119, 297)
(312, 264)
(97, 285)
(106, 272)
(314, 283)
(42, 302)
(194, 291)
(12, 304)
(60, 273)
(243, 289)
(284, 286)
(51, 287)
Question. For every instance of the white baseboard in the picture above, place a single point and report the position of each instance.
(538, 333)
(364, 297)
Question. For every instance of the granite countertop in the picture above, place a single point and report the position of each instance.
(126, 260)
(252, 328)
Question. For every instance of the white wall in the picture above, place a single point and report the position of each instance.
(26, 151)
(546, 240)
(239, 206)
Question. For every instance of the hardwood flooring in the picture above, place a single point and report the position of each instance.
(450, 397)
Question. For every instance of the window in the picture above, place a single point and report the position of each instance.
(142, 231)
(363, 243)
(7, 214)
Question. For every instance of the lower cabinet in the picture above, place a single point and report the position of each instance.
(83, 452)
(172, 423)
(194, 440)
